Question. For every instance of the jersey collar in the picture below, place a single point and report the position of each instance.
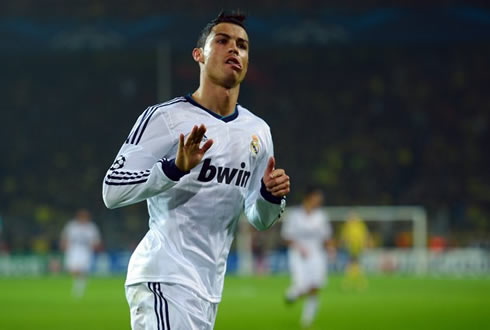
(226, 119)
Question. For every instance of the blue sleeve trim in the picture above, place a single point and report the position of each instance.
(171, 170)
(268, 196)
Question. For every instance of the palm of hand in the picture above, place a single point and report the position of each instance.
(190, 152)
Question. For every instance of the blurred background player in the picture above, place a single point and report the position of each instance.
(306, 230)
(354, 238)
(79, 239)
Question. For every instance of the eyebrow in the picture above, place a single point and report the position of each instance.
(229, 37)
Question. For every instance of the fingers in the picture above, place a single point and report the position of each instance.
(277, 173)
(206, 146)
(196, 135)
(200, 133)
(281, 193)
(190, 137)
(270, 166)
(280, 187)
(278, 184)
(278, 181)
(181, 141)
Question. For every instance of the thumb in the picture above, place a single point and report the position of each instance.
(270, 166)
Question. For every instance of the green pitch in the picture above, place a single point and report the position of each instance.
(390, 302)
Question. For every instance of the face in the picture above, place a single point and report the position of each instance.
(224, 59)
(315, 199)
(83, 216)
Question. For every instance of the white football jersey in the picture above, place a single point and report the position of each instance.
(193, 215)
(308, 230)
(80, 237)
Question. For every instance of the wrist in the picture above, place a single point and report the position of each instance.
(268, 196)
(172, 170)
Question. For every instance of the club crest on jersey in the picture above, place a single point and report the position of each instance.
(254, 145)
(118, 163)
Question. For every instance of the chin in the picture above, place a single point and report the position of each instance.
(230, 83)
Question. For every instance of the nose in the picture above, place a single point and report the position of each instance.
(233, 48)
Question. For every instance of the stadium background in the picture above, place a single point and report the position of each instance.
(380, 104)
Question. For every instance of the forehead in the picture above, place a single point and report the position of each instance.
(233, 30)
(316, 193)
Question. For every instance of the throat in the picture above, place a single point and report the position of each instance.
(222, 103)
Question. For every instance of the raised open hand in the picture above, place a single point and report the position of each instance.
(190, 152)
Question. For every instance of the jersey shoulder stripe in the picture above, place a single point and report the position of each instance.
(135, 136)
(132, 136)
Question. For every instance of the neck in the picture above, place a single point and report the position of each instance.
(307, 207)
(217, 98)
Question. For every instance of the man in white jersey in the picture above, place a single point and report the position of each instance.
(79, 239)
(306, 230)
(196, 180)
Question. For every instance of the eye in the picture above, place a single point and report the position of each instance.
(222, 41)
(242, 45)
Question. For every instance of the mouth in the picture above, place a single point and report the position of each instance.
(235, 63)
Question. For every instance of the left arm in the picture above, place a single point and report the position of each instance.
(265, 200)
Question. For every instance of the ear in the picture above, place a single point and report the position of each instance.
(197, 55)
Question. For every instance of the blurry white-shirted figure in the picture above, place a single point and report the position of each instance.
(79, 240)
(306, 230)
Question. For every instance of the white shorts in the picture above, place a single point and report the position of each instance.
(164, 306)
(78, 260)
(307, 273)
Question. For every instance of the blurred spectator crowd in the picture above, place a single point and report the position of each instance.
(372, 124)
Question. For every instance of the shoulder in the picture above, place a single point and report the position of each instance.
(321, 213)
(167, 106)
(257, 126)
(148, 121)
(252, 118)
(70, 224)
(292, 214)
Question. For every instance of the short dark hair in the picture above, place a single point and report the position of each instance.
(234, 17)
(311, 189)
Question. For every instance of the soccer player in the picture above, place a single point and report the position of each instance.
(79, 239)
(355, 238)
(198, 161)
(307, 230)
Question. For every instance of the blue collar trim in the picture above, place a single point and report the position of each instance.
(226, 119)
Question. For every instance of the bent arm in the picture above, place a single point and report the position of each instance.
(126, 187)
(261, 207)
(141, 170)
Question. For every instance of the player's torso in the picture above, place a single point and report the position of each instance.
(227, 166)
(80, 236)
(194, 222)
(309, 228)
(210, 198)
